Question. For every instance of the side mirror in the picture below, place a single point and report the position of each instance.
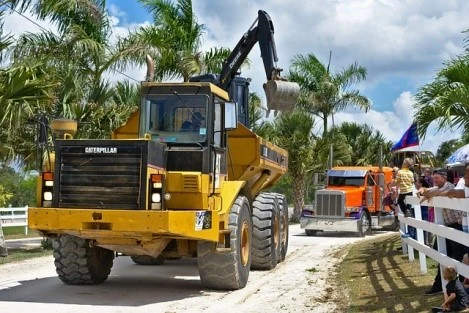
(231, 115)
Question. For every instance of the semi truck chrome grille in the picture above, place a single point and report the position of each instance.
(100, 181)
(329, 203)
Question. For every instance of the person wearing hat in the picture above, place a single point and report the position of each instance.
(450, 219)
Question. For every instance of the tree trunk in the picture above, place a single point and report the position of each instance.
(299, 187)
(3, 247)
(324, 130)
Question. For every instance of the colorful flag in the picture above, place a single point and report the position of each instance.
(409, 139)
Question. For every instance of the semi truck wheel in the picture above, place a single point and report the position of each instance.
(78, 263)
(364, 224)
(284, 229)
(147, 260)
(229, 270)
(265, 232)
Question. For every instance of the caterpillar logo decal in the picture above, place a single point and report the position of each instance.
(100, 150)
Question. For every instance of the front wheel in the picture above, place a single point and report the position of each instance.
(228, 270)
(79, 263)
(364, 224)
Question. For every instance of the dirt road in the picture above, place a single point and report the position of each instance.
(300, 284)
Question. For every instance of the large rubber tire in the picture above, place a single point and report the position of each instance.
(265, 232)
(147, 260)
(229, 270)
(284, 226)
(77, 263)
(364, 224)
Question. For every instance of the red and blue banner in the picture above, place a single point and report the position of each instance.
(409, 139)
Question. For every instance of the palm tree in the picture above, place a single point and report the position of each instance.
(365, 143)
(446, 99)
(325, 93)
(74, 61)
(293, 132)
(177, 37)
(446, 148)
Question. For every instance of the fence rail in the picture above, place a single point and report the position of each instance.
(12, 217)
(436, 228)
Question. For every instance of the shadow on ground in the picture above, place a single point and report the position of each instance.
(382, 279)
(132, 285)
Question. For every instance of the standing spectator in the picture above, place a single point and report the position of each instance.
(405, 184)
(427, 176)
(465, 260)
(419, 184)
(450, 219)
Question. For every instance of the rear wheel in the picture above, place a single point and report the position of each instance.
(364, 224)
(229, 270)
(265, 232)
(147, 260)
(284, 229)
(79, 263)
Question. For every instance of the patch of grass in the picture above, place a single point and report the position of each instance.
(380, 279)
(15, 255)
(17, 232)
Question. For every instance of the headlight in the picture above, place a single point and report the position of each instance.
(47, 196)
(157, 185)
(156, 197)
(49, 183)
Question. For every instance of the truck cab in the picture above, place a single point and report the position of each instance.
(351, 201)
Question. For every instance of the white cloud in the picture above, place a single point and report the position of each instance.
(401, 39)
(15, 24)
(393, 124)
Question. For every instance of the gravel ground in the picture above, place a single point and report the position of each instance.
(304, 282)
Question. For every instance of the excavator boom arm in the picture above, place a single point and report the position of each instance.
(263, 33)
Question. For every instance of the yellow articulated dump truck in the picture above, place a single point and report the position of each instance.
(184, 177)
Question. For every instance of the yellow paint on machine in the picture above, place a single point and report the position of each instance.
(110, 223)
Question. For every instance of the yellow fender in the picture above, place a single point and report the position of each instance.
(228, 194)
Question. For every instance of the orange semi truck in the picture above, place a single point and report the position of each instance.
(351, 201)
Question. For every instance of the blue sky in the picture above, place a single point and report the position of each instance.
(402, 43)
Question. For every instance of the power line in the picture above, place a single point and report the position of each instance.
(46, 30)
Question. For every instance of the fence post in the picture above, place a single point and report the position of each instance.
(26, 226)
(441, 241)
(420, 239)
(3, 247)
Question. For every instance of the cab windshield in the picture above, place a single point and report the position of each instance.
(346, 181)
(175, 118)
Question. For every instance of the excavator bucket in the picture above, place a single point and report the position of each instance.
(281, 95)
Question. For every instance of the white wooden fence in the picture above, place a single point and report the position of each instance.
(436, 228)
(11, 217)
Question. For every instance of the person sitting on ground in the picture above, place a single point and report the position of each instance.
(456, 298)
